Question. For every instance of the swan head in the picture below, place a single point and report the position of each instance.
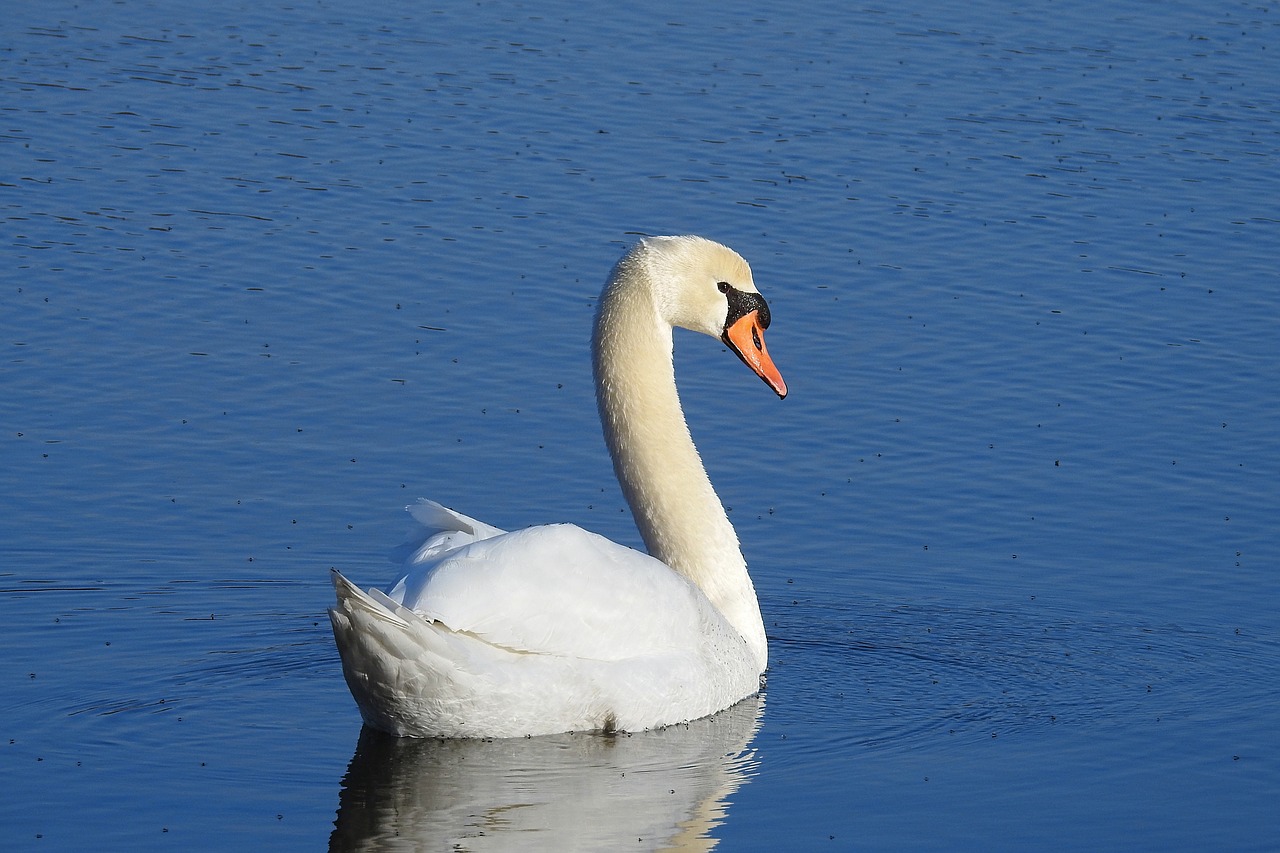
(706, 287)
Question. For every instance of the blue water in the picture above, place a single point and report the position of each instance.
(272, 271)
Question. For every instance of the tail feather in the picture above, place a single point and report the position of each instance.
(352, 597)
(384, 647)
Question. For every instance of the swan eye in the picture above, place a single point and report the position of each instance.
(723, 287)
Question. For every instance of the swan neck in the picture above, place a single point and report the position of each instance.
(679, 516)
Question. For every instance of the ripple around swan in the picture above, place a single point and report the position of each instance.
(907, 678)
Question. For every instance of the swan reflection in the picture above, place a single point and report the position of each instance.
(658, 790)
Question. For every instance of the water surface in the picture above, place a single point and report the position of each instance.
(273, 271)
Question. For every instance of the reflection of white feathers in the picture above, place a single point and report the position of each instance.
(659, 790)
(553, 628)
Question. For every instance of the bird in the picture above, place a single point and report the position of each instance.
(553, 628)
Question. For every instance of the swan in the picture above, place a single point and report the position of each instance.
(551, 629)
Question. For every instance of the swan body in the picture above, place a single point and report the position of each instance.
(489, 633)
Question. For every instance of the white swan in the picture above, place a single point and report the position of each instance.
(552, 628)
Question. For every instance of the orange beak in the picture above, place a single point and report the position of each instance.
(746, 338)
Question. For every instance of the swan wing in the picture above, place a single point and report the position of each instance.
(540, 630)
(559, 590)
(436, 518)
(437, 529)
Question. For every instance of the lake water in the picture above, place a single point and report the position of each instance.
(272, 271)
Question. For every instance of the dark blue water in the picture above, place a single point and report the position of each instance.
(270, 272)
